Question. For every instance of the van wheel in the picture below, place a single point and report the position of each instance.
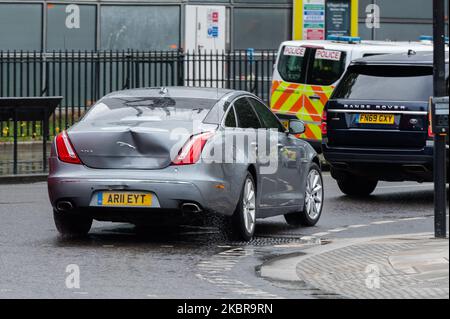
(243, 222)
(314, 195)
(72, 224)
(357, 186)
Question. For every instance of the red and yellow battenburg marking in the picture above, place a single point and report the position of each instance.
(294, 99)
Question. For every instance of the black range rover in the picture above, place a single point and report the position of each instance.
(376, 124)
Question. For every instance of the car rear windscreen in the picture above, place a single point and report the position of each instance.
(386, 83)
(123, 109)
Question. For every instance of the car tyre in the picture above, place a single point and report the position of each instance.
(357, 186)
(72, 224)
(242, 224)
(314, 197)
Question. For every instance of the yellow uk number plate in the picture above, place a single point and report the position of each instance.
(124, 199)
(376, 118)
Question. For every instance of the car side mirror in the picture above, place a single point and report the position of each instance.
(296, 127)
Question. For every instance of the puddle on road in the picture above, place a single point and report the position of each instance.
(166, 238)
(171, 237)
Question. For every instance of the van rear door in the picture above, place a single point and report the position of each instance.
(289, 83)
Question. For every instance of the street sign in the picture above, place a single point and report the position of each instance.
(317, 19)
(439, 115)
(337, 17)
(314, 20)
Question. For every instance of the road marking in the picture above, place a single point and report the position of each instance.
(381, 222)
(214, 270)
(292, 245)
(337, 230)
(405, 186)
(306, 238)
(412, 218)
(358, 226)
(321, 234)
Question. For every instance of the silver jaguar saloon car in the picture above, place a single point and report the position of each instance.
(146, 155)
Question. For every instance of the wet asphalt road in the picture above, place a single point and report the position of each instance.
(119, 261)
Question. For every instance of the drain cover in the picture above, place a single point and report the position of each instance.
(269, 241)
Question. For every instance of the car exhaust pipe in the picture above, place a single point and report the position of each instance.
(64, 206)
(190, 208)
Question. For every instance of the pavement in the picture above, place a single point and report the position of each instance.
(413, 266)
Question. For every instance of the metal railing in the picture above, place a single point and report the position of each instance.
(82, 77)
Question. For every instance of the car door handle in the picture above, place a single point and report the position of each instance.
(314, 97)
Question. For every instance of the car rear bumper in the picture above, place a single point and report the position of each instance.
(348, 155)
(382, 164)
(170, 188)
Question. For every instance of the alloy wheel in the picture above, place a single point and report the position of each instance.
(249, 206)
(314, 194)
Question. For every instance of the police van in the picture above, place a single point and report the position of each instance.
(306, 73)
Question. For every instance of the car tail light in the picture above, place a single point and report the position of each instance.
(430, 130)
(323, 126)
(65, 150)
(191, 151)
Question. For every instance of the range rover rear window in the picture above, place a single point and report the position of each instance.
(386, 83)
